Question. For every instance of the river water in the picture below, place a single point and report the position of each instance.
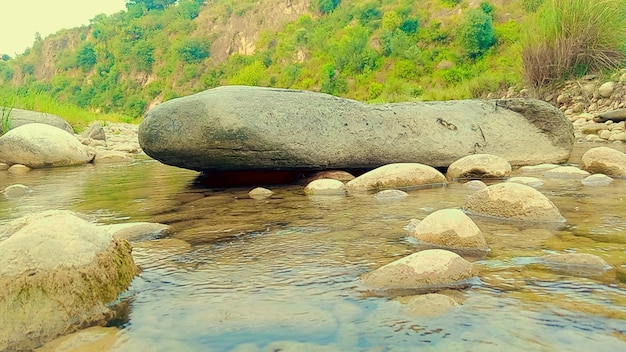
(239, 274)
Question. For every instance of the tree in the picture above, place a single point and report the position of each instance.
(475, 33)
(86, 57)
(328, 6)
(150, 5)
(193, 49)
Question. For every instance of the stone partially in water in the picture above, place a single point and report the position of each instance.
(479, 166)
(566, 172)
(583, 264)
(533, 182)
(260, 193)
(604, 160)
(402, 175)
(450, 228)
(422, 271)
(16, 191)
(513, 201)
(57, 272)
(243, 128)
(390, 195)
(597, 180)
(325, 186)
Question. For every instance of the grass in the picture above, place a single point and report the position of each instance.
(574, 37)
(76, 116)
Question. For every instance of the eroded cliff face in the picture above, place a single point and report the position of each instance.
(239, 32)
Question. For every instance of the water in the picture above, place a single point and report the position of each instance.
(282, 274)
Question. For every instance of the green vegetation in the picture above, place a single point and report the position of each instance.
(574, 37)
(369, 50)
(5, 119)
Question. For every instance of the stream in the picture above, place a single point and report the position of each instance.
(282, 274)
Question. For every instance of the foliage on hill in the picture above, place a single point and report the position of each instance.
(369, 50)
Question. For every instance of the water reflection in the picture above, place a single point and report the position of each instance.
(244, 274)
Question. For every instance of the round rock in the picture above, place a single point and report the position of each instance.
(597, 180)
(325, 186)
(450, 228)
(39, 145)
(604, 160)
(260, 193)
(399, 175)
(513, 201)
(479, 166)
(432, 268)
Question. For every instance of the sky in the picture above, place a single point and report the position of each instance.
(21, 19)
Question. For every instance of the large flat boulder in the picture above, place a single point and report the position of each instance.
(254, 128)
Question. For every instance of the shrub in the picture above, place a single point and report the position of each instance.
(573, 37)
(193, 50)
(475, 33)
(532, 5)
(328, 6)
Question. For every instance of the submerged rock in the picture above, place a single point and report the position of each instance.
(243, 128)
(513, 201)
(422, 271)
(325, 186)
(57, 272)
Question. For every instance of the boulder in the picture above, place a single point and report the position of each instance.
(449, 228)
(604, 160)
(57, 272)
(401, 175)
(597, 180)
(479, 166)
(513, 201)
(39, 145)
(427, 270)
(325, 187)
(19, 117)
(566, 172)
(241, 128)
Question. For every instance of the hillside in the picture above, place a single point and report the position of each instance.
(368, 50)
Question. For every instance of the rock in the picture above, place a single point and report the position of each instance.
(422, 271)
(401, 175)
(260, 193)
(390, 195)
(620, 136)
(19, 117)
(18, 169)
(614, 115)
(16, 191)
(581, 264)
(513, 201)
(38, 145)
(325, 187)
(604, 160)
(111, 156)
(241, 128)
(332, 174)
(430, 305)
(479, 166)
(537, 168)
(475, 185)
(597, 180)
(606, 89)
(593, 128)
(95, 131)
(533, 182)
(138, 231)
(571, 172)
(95, 338)
(449, 228)
(57, 272)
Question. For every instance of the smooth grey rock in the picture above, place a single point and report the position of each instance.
(613, 115)
(39, 145)
(240, 128)
(19, 117)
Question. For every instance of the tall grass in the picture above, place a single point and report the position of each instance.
(573, 37)
(76, 116)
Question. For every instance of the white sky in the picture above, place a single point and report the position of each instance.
(21, 19)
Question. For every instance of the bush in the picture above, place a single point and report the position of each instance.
(574, 37)
(532, 5)
(328, 6)
(193, 50)
(475, 33)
